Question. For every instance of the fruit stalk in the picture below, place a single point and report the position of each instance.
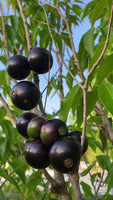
(63, 194)
(74, 180)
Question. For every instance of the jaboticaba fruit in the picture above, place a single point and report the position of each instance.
(51, 130)
(65, 154)
(77, 136)
(22, 122)
(34, 126)
(25, 95)
(36, 154)
(40, 60)
(18, 67)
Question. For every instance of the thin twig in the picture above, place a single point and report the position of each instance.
(80, 73)
(89, 74)
(8, 109)
(4, 32)
(25, 25)
(57, 49)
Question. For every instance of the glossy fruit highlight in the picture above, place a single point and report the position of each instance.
(36, 154)
(25, 95)
(34, 127)
(51, 130)
(65, 154)
(18, 67)
(77, 136)
(40, 60)
(22, 123)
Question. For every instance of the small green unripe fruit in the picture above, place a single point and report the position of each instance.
(34, 126)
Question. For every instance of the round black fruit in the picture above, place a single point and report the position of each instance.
(18, 67)
(77, 136)
(51, 130)
(22, 123)
(36, 154)
(25, 95)
(65, 154)
(40, 60)
(34, 127)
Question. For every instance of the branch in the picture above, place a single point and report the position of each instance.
(87, 79)
(74, 180)
(25, 25)
(8, 109)
(80, 73)
(57, 49)
(4, 33)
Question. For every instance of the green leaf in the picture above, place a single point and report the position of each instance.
(110, 179)
(4, 151)
(1, 195)
(14, 21)
(105, 68)
(88, 40)
(105, 93)
(87, 190)
(70, 101)
(79, 115)
(43, 37)
(58, 41)
(19, 167)
(92, 97)
(86, 171)
(93, 176)
(101, 160)
(10, 33)
(4, 174)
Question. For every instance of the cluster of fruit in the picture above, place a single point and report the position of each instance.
(25, 95)
(48, 141)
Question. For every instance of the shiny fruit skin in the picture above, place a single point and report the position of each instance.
(34, 127)
(65, 154)
(22, 123)
(40, 60)
(51, 130)
(18, 67)
(25, 95)
(77, 136)
(36, 154)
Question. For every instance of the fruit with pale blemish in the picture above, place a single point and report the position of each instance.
(65, 154)
(53, 129)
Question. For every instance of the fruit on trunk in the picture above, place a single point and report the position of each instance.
(40, 60)
(25, 95)
(51, 130)
(36, 154)
(34, 126)
(18, 67)
(65, 154)
(22, 123)
(77, 136)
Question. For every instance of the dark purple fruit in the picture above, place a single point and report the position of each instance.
(40, 60)
(36, 154)
(51, 130)
(25, 95)
(22, 123)
(65, 154)
(18, 67)
(77, 136)
(34, 126)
